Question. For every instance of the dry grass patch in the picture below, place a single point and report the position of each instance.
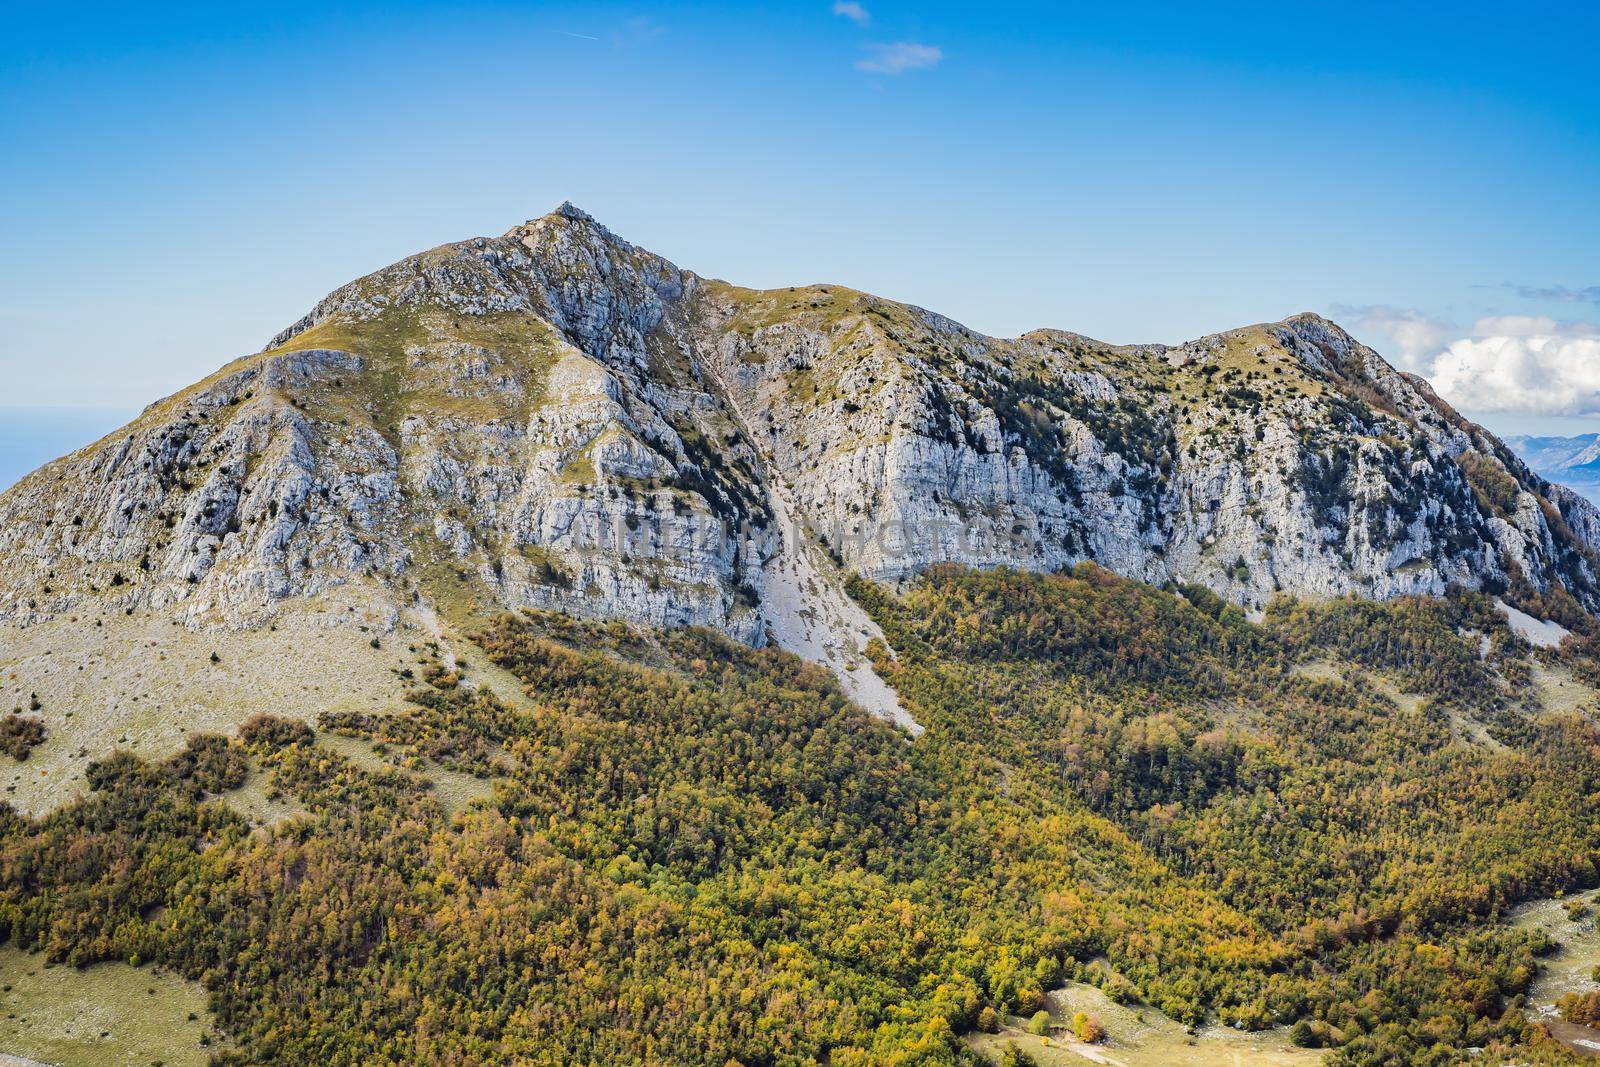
(1139, 1036)
(143, 684)
(107, 1015)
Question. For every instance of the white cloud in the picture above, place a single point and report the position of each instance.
(1531, 326)
(1416, 336)
(637, 31)
(852, 11)
(1506, 364)
(1533, 374)
(900, 57)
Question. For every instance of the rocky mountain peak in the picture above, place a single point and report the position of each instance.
(556, 418)
(569, 210)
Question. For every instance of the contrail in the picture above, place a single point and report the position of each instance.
(579, 36)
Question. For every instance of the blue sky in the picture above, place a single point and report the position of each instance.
(182, 182)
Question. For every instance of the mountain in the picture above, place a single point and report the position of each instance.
(557, 419)
(419, 689)
(1577, 453)
(1571, 461)
(585, 425)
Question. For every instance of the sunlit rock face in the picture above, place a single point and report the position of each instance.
(555, 418)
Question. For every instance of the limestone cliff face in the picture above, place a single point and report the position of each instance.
(1284, 457)
(486, 418)
(556, 418)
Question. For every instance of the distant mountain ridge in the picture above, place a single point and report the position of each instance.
(556, 418)
(1576, 458)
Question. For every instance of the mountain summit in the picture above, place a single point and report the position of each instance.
(555, 418)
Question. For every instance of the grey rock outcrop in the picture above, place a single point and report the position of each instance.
(555, 418)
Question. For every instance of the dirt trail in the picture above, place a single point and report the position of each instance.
(1140, 1036)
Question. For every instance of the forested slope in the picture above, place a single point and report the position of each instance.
(696, 852)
